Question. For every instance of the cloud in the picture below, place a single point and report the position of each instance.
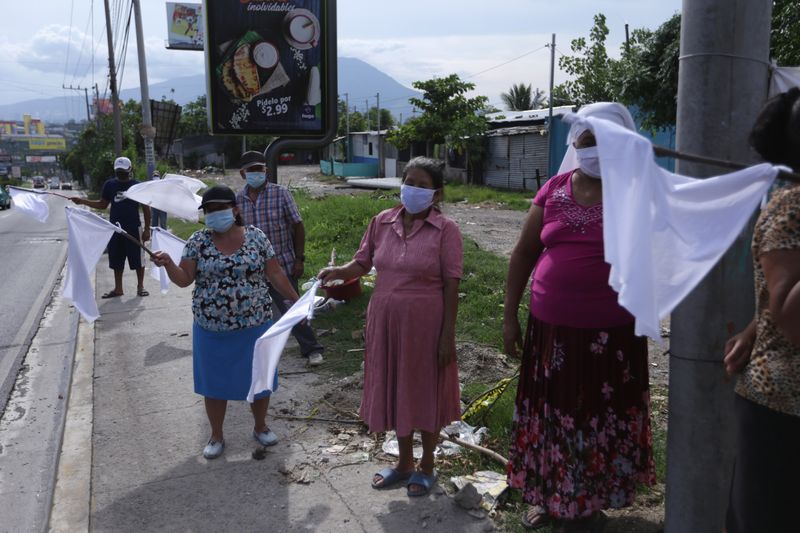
(476, 58)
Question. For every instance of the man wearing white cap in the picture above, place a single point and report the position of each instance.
(124, 212)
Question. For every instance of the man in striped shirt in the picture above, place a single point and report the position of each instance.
(271, 208)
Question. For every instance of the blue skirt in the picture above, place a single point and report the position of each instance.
(223, 362)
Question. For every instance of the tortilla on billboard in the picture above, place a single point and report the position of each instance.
(265, 59)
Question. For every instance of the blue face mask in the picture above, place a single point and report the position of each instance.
(416, 199)
(220, 221)
(255, 179)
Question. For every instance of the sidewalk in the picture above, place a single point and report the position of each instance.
(150, 427)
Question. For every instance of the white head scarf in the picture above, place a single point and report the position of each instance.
(612, 111)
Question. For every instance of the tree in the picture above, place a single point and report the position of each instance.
(518, 97)
(448, 116)
(194, 118)
(521, 97)
(591, 69)
(647, 74)
(785, 38)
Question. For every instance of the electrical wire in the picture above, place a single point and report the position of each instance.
(83, 46)
(505, 62)
(124, 52)
(69, 41)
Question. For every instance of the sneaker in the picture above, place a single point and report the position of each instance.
(266, 437)
(213, 449)
(315, 359)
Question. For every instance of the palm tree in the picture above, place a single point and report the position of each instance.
(518, 98)
(538, 101)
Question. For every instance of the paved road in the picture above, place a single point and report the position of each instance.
(31, 257)
(37, 345)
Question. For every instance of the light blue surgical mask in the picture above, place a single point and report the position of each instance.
(255, 179)
(220, 221)
(416, 199)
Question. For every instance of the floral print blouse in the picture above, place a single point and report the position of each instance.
(230, 291)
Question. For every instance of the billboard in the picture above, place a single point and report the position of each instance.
(184, 26)
(47, 144)
(265, 65)
(40, 159)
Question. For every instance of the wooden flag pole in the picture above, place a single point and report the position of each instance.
(139, 243)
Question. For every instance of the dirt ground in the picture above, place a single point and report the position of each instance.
(495, 230)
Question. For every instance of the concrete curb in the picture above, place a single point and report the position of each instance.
(72, 493)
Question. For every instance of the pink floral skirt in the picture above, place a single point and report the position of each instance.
(582, 440)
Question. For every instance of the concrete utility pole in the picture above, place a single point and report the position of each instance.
(86, 94)
(381, 163)
(347, 127)
(550, 104)
(722, 85)
(147, 130)
(112, 72)
(366, 107)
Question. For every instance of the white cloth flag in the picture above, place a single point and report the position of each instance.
(269, 347)
(164, 241)
(664, 232)
(88, 236)
(171, 195)
(783, 79)
(193, 184)
(32, 203)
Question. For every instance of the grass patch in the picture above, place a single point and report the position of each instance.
(471, 194)
(183, 229)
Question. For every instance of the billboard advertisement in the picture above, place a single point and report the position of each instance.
(185, 26)
(265, 65)
(47, 144)
(40, 159)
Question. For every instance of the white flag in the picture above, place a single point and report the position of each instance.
(88, 237)
(164, 241)
(30, 202)
(171, 195)
(269, 347)
(663, 232)
(193, 184)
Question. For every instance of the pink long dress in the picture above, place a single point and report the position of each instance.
(404, 387)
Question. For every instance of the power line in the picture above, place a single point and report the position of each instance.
(83, 46)
(124, 52)
(69, 40)
(505, 62)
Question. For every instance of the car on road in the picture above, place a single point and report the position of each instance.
(5, 198)
(66, 185)
(55, 183)
(38, 182)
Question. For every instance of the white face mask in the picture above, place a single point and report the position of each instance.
(588, 161)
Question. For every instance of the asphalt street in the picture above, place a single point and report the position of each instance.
(37, 346)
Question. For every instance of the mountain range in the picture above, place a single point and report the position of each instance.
(357, 78)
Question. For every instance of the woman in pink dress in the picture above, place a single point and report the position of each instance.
(582, 440)
(410, 371)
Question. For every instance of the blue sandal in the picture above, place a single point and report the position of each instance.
(389, 477)
(423, 480)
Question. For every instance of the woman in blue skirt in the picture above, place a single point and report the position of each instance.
(231, 267)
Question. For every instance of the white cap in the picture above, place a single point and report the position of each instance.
(122, 163)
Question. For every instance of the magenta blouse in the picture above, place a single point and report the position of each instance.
(570, 280)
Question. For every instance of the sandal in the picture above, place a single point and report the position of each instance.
(540, 517)
(142, 292)
(389, 477)
(111, 294)
(423, 480)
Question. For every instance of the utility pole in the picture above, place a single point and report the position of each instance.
(550, 105)
(347, 127)
(97, 106)
(722, 84)
(147, 131)
(86, 94)
(381, 163)
(112, 71)
(366, 107)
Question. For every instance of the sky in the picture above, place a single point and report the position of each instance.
(64, 44)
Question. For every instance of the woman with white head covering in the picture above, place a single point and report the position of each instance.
(582, 440)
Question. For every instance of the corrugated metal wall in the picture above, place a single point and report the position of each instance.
(511, 161)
